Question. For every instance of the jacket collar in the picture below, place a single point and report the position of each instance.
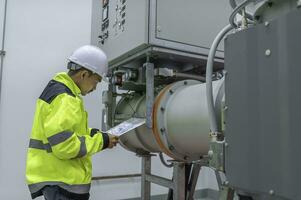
(64, 78)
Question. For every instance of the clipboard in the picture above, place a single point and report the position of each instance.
(126, 126)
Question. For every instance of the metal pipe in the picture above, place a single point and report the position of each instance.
(189, 76)
(95, 178)
(2, 52)
(209, 69)
(145, 170)
(160, 181)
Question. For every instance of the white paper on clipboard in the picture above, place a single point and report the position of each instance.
(126, 126)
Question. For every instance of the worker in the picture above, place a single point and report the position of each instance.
(61, 144)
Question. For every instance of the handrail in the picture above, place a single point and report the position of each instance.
(96, 178)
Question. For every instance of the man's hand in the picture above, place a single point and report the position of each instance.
(113, 140)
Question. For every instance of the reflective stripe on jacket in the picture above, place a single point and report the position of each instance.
(61, 143)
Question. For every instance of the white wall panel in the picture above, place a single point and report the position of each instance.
(39, 37)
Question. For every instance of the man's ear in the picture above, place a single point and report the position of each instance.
(84, 74)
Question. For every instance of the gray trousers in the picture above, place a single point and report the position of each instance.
(53, 193)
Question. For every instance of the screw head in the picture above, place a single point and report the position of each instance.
(159, 29)
(271, 192)
(267, 23)
(162, 109)
(162, 129)
(268, 52)
(171, 92)
(171, 148)
(226, 144)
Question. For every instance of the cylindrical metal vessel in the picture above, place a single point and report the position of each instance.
(141, 139)
(180, 121)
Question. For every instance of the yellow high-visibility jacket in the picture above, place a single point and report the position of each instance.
(61, 144)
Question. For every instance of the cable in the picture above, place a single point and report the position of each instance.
(234, 5)
(237, 10)
(164, 162)
(2, 48)
(209, 69)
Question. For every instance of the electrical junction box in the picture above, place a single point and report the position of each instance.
(262, 120)
(123, 28)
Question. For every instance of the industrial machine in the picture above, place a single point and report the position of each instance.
(262, 65)
(235, 111)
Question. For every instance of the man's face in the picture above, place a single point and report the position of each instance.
(89, 82)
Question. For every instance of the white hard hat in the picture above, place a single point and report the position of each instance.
(92, 58)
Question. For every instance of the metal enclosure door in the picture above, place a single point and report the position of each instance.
(188, 25)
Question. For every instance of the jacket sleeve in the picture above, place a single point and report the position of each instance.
(64, 117)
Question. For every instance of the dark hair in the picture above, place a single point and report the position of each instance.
(75, 68)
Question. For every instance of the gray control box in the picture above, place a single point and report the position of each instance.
(125, 27)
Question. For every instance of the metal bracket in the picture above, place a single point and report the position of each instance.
(177, 184)
(216, 155)
(149, 92)
(2, 53)
(193, 179)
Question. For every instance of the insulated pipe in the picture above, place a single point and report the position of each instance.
(180, 121)
(209, 70)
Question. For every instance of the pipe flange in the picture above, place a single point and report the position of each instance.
(159, 124)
